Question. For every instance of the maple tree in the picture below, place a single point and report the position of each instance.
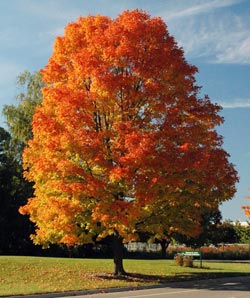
(122, 142)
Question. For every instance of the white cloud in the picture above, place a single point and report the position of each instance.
(200, 7)
(236, 103)
(223, 39)
(237, 51)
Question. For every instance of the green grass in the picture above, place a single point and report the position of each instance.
(29, 275)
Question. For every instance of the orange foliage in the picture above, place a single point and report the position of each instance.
(122, 142)
(247, 208)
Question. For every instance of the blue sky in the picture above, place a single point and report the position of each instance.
(215, 36)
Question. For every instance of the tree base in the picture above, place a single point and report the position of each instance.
(118, 255)
(120, 273)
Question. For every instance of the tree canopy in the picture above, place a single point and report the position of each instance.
(122, 141)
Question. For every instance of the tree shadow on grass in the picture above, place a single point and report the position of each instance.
(131, 277)
(212, 281)
(163, 279)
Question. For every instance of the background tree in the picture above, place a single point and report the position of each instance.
(226, 233)
(243, 232)
(15, 190)
(122, 138)
(213, 231)
(19, 117)
(14, 228)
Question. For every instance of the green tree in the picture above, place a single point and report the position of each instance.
(14, 189)
(14, 229)
(243, 232)
(19, 117)
(227, 233)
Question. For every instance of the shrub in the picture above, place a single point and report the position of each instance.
(221, 252)
(185, 261)
(179, 259)
(188, 261)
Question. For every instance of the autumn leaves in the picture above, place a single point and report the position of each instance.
(122, 142)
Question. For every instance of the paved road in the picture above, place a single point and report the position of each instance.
(234, 287)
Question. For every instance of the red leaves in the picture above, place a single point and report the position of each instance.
(184, 147)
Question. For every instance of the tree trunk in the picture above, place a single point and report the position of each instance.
(118, 254)
(164, 245)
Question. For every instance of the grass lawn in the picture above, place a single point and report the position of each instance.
(29, 275)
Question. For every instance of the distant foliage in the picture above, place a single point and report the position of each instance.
(220, 252)
(14, 189)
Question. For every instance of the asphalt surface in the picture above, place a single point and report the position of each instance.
(233, 287)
